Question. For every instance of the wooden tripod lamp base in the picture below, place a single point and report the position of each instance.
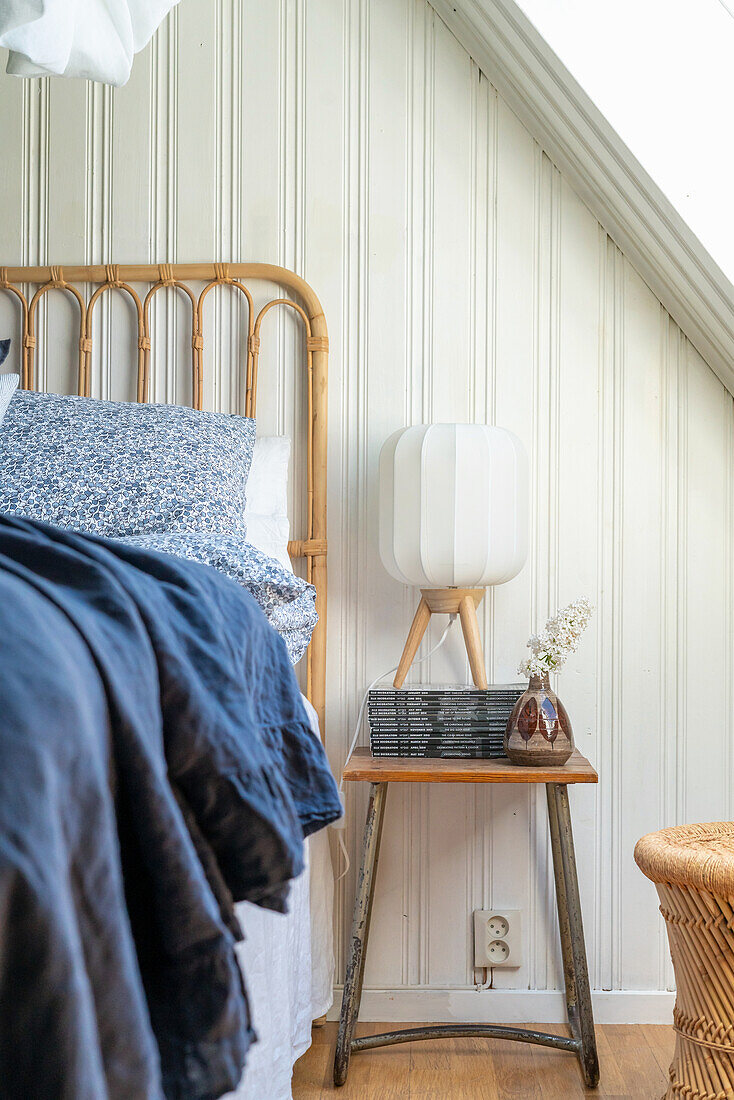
(447, 601)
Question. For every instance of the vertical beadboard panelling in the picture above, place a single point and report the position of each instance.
(131, 169)
(224, 387)
(418, 64)
(462, 279)
(482, 326)
(259, 166)
(641, 598)
(708, 620)
(727, 596)
(578, 506)
(544, 421)
(171, 352)
(99, 224)
(448, 843)
(98, 159)
(324, 263)
(129, 228)
(386, 369)
(14, 124)
(512, 312)
(673, 408)
(283, 401)
(197, 71)
(65, 226)
(608, 680)
(326, 250)
(353, 304)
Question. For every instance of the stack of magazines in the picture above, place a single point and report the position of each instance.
(440, 720)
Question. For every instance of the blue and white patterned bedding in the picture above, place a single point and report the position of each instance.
(162, 477)
(288, 602)
(116, 468)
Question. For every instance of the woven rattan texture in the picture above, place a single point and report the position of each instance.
(27, 286)
(700, 925)
(692, 855)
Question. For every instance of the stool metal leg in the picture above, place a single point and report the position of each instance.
(575, 969)
(360, 930)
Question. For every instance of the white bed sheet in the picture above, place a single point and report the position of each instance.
(288, 963)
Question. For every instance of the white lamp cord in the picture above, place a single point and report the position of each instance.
(339, 825)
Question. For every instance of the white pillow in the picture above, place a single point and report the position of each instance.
(8, 385)
(266, 513)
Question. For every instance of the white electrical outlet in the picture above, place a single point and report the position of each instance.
(498, 937)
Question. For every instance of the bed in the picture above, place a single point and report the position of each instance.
(287, 959)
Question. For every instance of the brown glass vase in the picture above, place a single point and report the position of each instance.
(539, 732)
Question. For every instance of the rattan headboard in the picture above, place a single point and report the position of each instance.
(306, 305)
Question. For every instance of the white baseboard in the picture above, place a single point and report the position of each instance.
(506, 1006)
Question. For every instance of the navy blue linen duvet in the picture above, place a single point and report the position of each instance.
(156, 765)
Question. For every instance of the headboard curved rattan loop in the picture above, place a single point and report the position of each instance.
(158, 276)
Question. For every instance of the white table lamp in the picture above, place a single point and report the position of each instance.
(453, 519)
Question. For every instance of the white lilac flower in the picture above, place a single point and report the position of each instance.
(551, 648)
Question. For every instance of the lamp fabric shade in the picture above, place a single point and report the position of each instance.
(453, 505)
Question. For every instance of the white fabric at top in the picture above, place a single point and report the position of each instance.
(95, 39)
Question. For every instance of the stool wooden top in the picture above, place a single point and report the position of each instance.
(362, 766)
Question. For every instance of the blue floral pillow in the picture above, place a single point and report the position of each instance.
(119, 468)
(289, 603)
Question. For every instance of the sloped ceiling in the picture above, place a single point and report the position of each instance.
(661, 74)
(603, 171)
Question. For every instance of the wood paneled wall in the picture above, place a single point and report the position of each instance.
(356, 141)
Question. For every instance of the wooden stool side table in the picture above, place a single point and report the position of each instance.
(363, 767)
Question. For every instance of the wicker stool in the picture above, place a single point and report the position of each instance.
(692, 867)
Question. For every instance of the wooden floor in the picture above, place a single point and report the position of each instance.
(634, 1063)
